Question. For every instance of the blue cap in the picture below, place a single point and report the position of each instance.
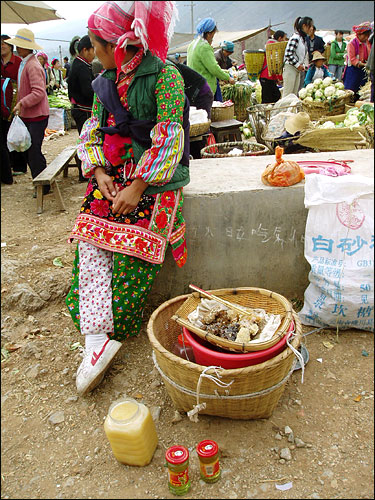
(229, 46)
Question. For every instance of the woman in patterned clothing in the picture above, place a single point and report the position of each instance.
(135, 150)
(296, 57)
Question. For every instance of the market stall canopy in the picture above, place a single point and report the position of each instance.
(27, 12)
(181, 41)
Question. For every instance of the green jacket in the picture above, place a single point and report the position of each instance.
(142, 105)
(201, 58)
(337, 55)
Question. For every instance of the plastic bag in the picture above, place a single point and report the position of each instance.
(18, 138)
(56, 119)
(339, 246)
(282, 173)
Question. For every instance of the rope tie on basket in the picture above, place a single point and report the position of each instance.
(297, 354)
(193, 414)
(189, 392)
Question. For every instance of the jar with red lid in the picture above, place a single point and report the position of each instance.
(208, 453)
(177, 458)
(183, 348)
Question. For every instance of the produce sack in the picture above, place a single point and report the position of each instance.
(56, 119)
(339, 246)
(283, 172)
(18, 138)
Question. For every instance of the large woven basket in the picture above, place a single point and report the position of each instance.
(221, 149)
(254, 60)
(254, 391)
(317, 110)
(199, 128)
(275, 57)
(254, 298)
(222, 113)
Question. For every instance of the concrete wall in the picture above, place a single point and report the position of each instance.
(241, 232)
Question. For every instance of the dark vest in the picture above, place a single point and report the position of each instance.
(142, 106)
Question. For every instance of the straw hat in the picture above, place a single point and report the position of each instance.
(317, 55)
(297, 123)
(24, 39)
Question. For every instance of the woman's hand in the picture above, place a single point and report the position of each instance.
(301, 67)
(105, 183)
(17, 108)
(232, 81)
(127, 200)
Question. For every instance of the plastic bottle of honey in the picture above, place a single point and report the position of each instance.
(131, 432)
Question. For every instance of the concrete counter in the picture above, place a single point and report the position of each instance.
(243, 233)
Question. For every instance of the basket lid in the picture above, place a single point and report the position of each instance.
(176, 454)
(207, 448)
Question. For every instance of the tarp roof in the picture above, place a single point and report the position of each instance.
(181, 41)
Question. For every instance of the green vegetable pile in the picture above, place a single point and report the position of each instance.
(354, 117)
(59, 99)
(240, 93)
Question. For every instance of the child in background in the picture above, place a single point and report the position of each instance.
(317, 69)
(336, 61)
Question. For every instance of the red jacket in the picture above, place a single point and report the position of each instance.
(7, 104)
(10, 69)
(32, 90)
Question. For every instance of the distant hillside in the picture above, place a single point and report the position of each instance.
(238, 15)
(235, 16)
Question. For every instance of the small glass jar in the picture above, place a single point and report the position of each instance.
(208, 453)
(177, 458)
(131, 432)
(183, 349)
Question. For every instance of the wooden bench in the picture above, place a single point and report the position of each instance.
(49, 174)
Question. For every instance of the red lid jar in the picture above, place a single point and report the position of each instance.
(176, 455)
(208, 453)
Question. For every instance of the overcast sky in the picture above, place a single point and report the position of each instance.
(71, 10)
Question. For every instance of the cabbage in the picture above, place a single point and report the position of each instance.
(369, 110)
(329, 91)
(318, 82)
(309, 99)
(339, 92)
(310, 87)
(340, 85)
(318, 94)
(327, 81)
(302, 93)
(328, 124)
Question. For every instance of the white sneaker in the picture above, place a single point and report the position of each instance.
(94, 365)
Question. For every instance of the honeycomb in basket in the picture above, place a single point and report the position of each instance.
(233, 325)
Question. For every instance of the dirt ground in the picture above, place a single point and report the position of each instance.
(331, 411)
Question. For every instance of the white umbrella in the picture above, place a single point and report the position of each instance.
(27, 12)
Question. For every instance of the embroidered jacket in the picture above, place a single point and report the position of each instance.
(157, 94)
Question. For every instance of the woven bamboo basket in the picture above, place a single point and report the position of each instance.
(317, 110)
(254, 298)
(222, 113)
(221, 149)
(260, 115)
(254, 60)
(254, 391)
(275, 57)
(199, 128)
(327, 52)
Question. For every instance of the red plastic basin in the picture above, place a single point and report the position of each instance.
(208, 354)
